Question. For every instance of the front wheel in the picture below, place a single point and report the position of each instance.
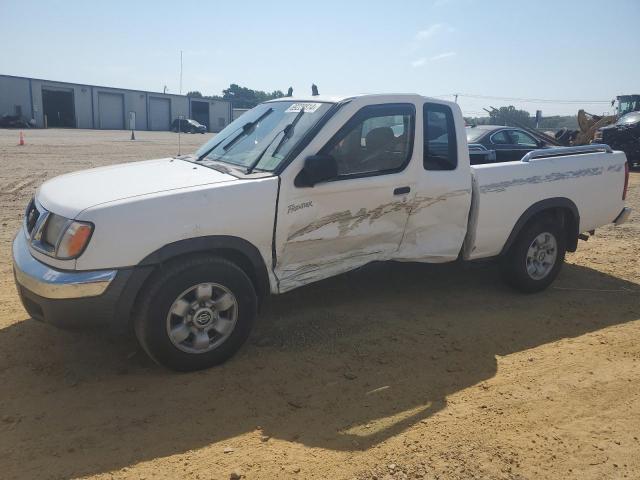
(535, 259)
(196, 313)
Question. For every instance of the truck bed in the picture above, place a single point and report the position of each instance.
(502, 192)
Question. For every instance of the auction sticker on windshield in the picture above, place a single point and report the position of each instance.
(308, 107)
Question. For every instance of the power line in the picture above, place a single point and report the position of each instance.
(523, 100)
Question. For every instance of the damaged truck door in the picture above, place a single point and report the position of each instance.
(437, 224)
(357, 216)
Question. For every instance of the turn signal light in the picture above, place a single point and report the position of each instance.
(74, 240)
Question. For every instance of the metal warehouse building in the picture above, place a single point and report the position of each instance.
(73, 105)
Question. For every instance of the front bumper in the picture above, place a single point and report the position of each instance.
(50, 283)
(68, 298)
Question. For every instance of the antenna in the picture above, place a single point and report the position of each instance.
(180, 117)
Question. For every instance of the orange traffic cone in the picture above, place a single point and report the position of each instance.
(21, 141)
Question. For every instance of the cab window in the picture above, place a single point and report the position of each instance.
(377, 140)
(440, 146)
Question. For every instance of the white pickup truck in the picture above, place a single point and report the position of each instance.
(297, 190)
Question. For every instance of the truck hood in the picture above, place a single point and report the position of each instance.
(70, 194)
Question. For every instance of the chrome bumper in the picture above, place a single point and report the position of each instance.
(56, 284)
(623, 216)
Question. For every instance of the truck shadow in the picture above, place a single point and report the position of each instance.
(343, 364)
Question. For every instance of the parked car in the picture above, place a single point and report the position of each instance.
(623, 135)
(510, 144)
(188, 125)
(14, 121)
(185, 249)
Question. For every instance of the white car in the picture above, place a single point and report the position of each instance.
(294, 191)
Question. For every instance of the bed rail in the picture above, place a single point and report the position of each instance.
(563, 151)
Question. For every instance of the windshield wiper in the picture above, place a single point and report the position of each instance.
(288, 132)
(247, 129)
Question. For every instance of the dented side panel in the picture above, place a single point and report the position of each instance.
(337, 226)
(437, 223)
(342, 225)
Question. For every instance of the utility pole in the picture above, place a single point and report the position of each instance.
(456, 96)
(180, 72)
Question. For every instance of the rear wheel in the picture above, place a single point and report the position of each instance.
(196, 313)
(536, 257)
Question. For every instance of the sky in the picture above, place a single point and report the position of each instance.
(577, 53)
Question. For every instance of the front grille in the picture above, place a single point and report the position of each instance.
(31, 216)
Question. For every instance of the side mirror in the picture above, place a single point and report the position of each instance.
(317, 168)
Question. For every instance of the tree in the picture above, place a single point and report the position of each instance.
(510, 116)
(243, 97)
(194, 94)
(560, 121)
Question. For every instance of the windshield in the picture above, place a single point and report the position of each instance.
(629, 118)
(628, 104)
(242, 142)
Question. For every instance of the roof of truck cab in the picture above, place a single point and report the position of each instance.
(340, 98)
(317, 98)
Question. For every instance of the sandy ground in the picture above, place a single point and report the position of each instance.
(393, 371)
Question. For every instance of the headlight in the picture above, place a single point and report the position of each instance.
(62, 238)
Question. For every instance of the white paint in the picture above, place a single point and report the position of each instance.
(598, 197)
(335, 226)
(69, 194)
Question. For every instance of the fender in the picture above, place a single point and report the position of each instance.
(547, 204)
(235, 245)
(135, 277)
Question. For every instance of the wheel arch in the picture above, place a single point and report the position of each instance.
(236, 249)
(240, 251)
(563, 209)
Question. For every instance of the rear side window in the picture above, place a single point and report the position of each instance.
(500, 138)
(440, 146)
(523, 139)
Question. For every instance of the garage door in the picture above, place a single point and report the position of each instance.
(159, 113)
(111, 110)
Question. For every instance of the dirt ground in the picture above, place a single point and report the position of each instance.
(393, 371)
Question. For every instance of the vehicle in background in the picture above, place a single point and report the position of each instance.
(589, 124)
(14, 121)
(623, 135)
(628, 104)
(187, 125)
(184, 250)
(509, 143)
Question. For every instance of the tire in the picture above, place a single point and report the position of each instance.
(527, 266)
(163, 307)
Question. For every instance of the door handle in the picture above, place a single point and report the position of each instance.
(401, 190)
